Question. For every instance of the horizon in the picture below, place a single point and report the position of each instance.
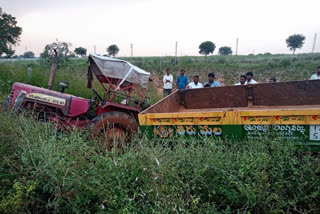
(153, 27)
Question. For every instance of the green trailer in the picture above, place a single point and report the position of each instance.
(286, 110)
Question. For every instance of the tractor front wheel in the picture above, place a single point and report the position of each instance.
(114, 128)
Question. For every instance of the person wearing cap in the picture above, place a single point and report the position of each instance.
(249, 76)
(211, 81)
(242, 80)
(195, 83)
(316, 76)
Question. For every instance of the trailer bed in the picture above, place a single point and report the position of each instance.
(289, 110)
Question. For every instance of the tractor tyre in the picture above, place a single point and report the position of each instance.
(114, 128)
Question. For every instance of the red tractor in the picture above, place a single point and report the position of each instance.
(116, 111)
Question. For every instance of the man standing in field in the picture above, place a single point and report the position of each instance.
(167, 83)
(195, 83)
(316, 76)
(211, 81)
(249, 76)
(182, 80)
(242, 81)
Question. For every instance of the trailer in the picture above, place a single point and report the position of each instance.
(285, 110)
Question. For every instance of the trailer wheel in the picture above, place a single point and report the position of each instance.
(114, 128)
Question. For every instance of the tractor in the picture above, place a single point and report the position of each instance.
(115, 114)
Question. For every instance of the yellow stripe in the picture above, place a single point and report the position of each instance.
(307, 117)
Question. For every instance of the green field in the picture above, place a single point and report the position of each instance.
(45, 171)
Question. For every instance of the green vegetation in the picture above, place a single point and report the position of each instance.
(9, 33)
(43, 170)
(206, 48)
(113, 50)
(225, 50)
(46, 171)
(295, 41)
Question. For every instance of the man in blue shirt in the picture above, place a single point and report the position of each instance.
(211, 82)
(182, 80)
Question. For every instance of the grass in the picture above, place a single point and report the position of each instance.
(45, 171)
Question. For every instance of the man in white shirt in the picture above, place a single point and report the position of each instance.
(249, 76)
(167, 83)
(195, 83)
(242, 80)
(316, 76)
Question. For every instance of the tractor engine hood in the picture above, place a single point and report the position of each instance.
(70, 105)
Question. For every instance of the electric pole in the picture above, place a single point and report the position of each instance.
(237, 42)
(131, 50)
(314, 42)
(176, 52)
(94, 49)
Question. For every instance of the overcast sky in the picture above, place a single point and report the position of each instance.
(153, 26)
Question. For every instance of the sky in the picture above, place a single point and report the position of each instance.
(154, 26)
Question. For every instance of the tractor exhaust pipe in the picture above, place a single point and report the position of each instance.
(53, 69)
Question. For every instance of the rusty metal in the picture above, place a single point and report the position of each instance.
(53, 69)
(267, 95)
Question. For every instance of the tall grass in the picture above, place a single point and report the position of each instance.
(46, 171)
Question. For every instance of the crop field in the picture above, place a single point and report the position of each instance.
(47, 171)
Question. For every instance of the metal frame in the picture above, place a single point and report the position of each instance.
(127, 90)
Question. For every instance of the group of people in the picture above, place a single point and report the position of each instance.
(183, 82)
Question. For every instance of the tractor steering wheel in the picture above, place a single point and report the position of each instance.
(97, 95)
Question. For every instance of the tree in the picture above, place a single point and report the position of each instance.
(295, 41)
(80, 51)
(206, 48)
(9, 33)
(63, 51)
(113, 50)
(28, 54)
(225, 51)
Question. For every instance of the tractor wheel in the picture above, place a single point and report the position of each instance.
(114, 128)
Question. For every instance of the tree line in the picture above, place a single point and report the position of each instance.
(10, 36)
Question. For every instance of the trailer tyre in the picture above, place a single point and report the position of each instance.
(114, 128)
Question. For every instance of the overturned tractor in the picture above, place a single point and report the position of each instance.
(116, 114)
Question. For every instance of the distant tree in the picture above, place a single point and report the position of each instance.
(225, 50)
(206, 48)
(113, 50)
(63, 52)
(80, 51)
(28, 54)
(295, 41)
(9, 33)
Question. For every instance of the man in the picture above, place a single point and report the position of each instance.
(249, 76)
(272, 79)
(242, 81)
(167, 83)
(195, 83)
(182, 80)
(316, 76)
(211, 81)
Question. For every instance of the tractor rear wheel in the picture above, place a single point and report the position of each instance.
(114, 128)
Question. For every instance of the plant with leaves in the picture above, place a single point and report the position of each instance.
(206, 48)
(9, 33)
(62, 49)
(81, 51)
(225, 51)
(113, 50)
(28, 54)
(295, 41)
